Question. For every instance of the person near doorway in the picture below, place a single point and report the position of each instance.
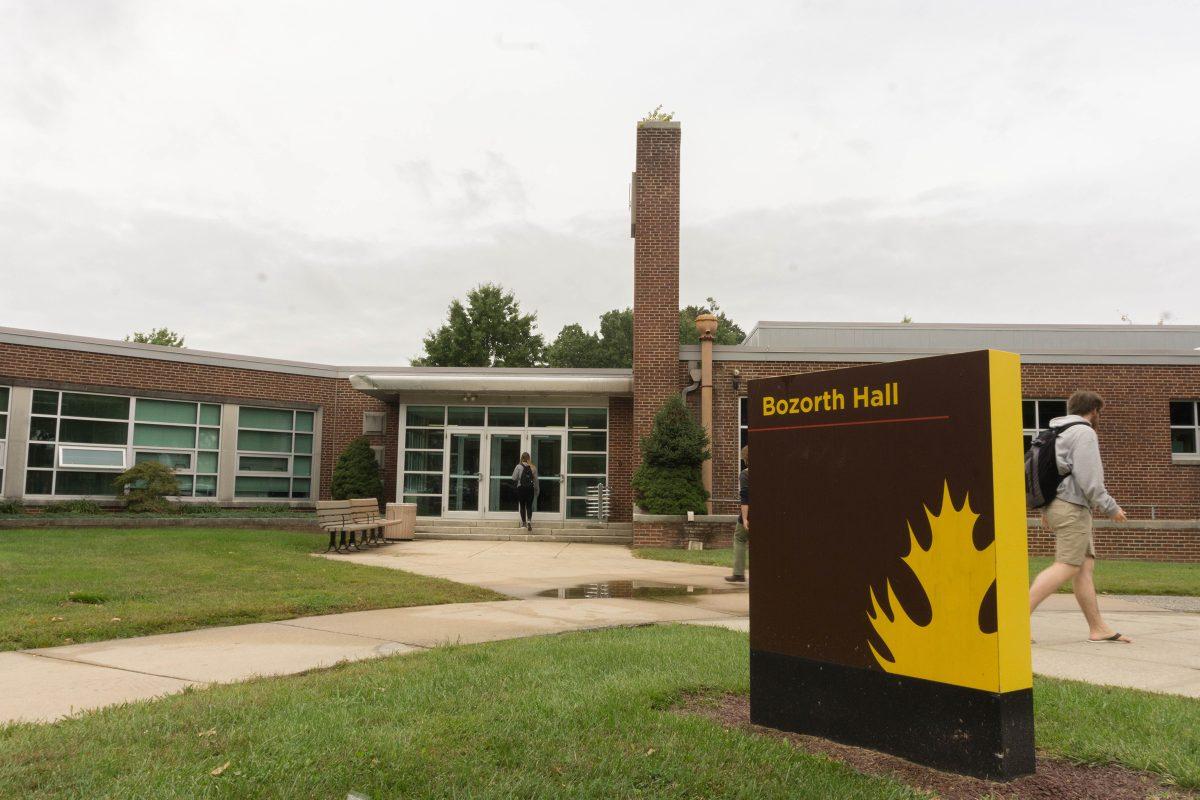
(525, 481)
(741, 534)
(1069, 516)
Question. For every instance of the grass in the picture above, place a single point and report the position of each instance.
(581, 715)
(1112, 577)
(59, 586)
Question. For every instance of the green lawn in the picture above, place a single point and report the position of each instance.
(59, 586)
(1112, 577)
(582, 715)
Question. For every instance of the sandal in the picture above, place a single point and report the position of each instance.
(1116, 638)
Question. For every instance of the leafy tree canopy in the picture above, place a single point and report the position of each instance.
(728, 331)
(489, 331)
(163, 336)
(146, 486)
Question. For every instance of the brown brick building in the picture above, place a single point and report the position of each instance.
(244, 430)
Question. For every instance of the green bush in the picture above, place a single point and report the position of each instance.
(189, 509)
(356, 473)
(273, 508)
(144, 487)
(668, 480)
(11, 507)
(87, 508)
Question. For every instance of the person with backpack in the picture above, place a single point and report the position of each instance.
(1064, 478)
(525, 481)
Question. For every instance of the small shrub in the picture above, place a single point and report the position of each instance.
(146, 486)
(86, 508)
(669, 480)
(356, 473)
(272, 508)
(190, 509)
(11, 507)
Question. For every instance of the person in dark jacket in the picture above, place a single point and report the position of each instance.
(525, 481)
(741, 535)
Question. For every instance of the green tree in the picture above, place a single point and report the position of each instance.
(146, 486)
(163, 336)
(356, 473)
(575, 347)
(489, 331)
(669, 479)
(728, 331)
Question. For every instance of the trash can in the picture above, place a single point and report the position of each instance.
(407, 514)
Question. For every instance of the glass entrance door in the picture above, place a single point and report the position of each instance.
(504, 455)
(546, 449)
(462, 491)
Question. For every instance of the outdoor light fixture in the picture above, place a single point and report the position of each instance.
(737, 379)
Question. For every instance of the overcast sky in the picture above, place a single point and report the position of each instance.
(316, 180)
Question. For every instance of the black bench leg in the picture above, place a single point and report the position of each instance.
(332, 542)
(342, 542)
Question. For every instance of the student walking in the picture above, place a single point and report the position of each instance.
(525, 481)
(1069, 514)
(741, 534)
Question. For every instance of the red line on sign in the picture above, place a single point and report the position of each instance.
(859, 422)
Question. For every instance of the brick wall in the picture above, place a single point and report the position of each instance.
(341, 405)
(621, 448)
(655, 274)
(1134, 437)
(676, 534)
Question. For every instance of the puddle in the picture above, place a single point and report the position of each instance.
(642, 590)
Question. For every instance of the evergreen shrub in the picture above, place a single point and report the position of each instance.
(356, 473)
(144, 487)
(669, 478)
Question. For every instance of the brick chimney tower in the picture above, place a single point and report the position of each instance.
(655, 231)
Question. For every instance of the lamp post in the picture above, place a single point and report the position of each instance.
(706, 326)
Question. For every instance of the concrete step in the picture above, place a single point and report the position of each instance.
(566, 535)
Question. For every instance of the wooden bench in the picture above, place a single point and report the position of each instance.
(344, 519)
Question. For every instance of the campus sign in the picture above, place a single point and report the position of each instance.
(889, 598)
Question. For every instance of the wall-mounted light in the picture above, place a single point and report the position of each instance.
(737, 380)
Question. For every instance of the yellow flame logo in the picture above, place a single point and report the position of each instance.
(955, 576)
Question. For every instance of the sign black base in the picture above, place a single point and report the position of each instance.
(969, 731)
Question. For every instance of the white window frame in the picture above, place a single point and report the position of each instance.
(7, 414)
(63, 464)
(1037, 416)
(291, 455)
(1194, 455)
(129, 449)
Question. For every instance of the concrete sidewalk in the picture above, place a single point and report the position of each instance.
(50, 683)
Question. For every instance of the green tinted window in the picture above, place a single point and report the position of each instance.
(94, 405)
(499, 416)
(162, 436)
(262, 464)
(39, 481)
(300, 489)
(586, 464)
(164, 411)
(209, 439)
(275, 419)
(423, 440)
(465, 415)
(45, 402)
(172, 460)
(265, 442)
(3, 398)
(42, 429)
(302, 466)
(84, 483)
(252, 486)
(588, 418)
(41, 455)
(547, 417)
(426, 416)
(206, 486)
(304, 420)
(3, 426)
(206, 462)
(86, 431)
(590, 442)
(210, 414)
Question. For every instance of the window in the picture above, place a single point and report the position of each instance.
(4, 392)
(373, 421)
(587, 456)
(79, 442)
(1036, 416)
(274, 453)
(743, 422)
(424, 453)
(1185, 427)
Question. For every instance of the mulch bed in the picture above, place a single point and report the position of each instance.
(1055, 778)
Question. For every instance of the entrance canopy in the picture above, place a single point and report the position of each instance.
(495, 380)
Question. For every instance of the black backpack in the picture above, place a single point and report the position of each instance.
(526, 477)
(1041, 467)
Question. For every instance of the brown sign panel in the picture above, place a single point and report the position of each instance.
(889, 589)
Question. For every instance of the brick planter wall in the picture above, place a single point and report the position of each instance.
(652, 530)
(1140, 540)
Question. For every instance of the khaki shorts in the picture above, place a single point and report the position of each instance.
(1072, 529)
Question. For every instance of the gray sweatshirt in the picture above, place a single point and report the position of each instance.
(1077, 451)
(517, 477)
